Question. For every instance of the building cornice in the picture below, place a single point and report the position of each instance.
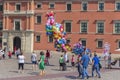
(53, 0)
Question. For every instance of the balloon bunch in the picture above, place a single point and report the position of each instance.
(78, 48)
(57, 31)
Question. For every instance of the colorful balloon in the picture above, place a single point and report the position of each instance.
(57, 31)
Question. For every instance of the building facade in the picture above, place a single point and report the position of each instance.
(93, 22)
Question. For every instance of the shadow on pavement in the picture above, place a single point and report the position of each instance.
(56, 69)
(14, 71)
(34, 73)
(49, 65)
(71, 77)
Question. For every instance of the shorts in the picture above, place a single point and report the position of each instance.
(20, 66)
(73, 63)
(61, 64)
(34, 62)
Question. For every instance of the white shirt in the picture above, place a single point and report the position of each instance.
(33, 57)
(21, 59)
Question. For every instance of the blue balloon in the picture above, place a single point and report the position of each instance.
(58, 25)
(49, 33)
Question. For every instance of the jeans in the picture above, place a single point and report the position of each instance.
(85, 73)
(96, 67)
(79, 70)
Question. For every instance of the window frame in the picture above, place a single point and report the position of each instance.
(82, 5)
(81, 26)
(99, 5)
(50, 5)
(36, 39)
(98, 43)
(67, 6)
(15, 26)
(38, 4)
(36, 19)
(67, 21)
(118, 43)
(98, 26)
(16, 6)
(117, 21)
(116, 6)
(49, 39)
(85, 42)
(68, 40)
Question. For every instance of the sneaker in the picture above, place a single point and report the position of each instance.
(87, 77)
(99, 77)
(78, 77)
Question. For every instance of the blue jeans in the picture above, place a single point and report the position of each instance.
(80, 70)
(96, 67)
(84, 73)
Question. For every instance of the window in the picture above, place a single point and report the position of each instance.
(101, 6)
(39, 5)
(100, 27)
(68, 26)
(117, 28)
(84, 6)
(67, 41)
(51, 5)
(18, 6)
(83, 41)
(38, 38)
(38, 19)
(99, 43)
(17, 25)
(50, 38)
(119, 44)
(1, 7)
(83, 27)
(68, 6)
(1, 25)
(118, 6)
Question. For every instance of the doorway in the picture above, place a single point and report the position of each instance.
(16, 43)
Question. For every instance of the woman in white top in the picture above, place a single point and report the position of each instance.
(21, 61)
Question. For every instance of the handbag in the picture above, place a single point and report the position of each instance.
(68, 61)
(100, 66)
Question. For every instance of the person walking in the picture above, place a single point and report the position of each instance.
(85, 62)
(61, 60)
(73, 61)
(9, 54)
(79, 67)
(95, 65)
(109, 61)
(47, 57)
(18, 52)
(34, 61)
(42, 64)
(21, 61)
(3, 54)
(65, 57)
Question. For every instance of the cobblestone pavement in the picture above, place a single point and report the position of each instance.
(8, 70)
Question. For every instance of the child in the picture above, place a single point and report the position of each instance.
(9, 54)
(73, 61)
(61, 61)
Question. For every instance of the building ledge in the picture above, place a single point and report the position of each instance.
(28, 12)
